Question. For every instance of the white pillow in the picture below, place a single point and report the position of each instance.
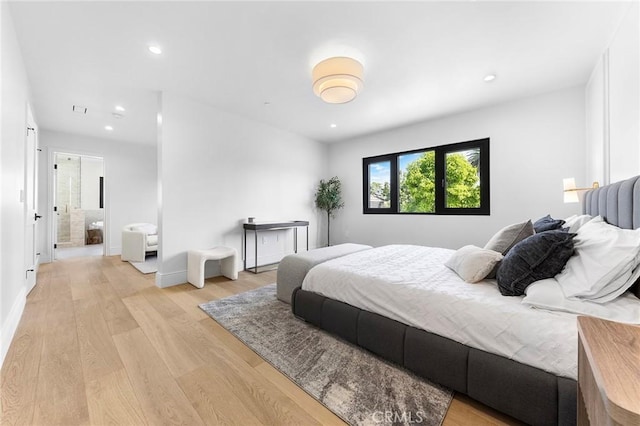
(618, 285)
(575, 222)
(473, 263)
(547, 294)
(604, 264)
(147, 228)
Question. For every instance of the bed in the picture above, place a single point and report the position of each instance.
(515, 365)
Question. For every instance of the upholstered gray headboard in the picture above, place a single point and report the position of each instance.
(618, 203)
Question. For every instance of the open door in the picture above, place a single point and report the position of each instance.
(32, 257)
(78, 220)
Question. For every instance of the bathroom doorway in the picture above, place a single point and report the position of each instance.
(78, 226)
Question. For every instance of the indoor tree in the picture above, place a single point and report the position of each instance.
(329, 198)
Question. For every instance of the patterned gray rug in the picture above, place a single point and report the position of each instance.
(359, 387)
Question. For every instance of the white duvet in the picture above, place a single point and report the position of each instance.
(411, 284)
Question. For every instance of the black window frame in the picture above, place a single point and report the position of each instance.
(440, 155)
(393, 181)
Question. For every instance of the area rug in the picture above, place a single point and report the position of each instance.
(149, 266)
(356, 385)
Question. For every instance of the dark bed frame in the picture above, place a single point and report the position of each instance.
(526, 393)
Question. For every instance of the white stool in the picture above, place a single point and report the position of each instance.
(197, 258)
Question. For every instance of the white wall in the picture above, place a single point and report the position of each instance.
(91, 169)
(596, 149)
(130, 180)
(613, 106)
(535, 143)
(624, 97)
(216, 169)
(15, 95)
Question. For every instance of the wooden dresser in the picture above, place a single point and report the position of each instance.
(608, 373)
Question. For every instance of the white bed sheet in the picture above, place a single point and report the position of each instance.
(411, 284)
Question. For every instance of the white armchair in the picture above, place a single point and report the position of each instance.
(138, 239)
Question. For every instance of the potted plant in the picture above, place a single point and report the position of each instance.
(329, 198)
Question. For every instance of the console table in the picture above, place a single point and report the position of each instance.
(608, 372)
(272, 226)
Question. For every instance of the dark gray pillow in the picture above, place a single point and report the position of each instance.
(535, 258)
(547, 223)
(635, 288)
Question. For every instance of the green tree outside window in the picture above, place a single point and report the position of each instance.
(417, 183)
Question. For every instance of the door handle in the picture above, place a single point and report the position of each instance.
(37, 216)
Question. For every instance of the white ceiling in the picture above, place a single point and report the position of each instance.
(422, 59)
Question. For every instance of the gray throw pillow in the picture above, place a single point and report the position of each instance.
(536, 258)
(508, 237)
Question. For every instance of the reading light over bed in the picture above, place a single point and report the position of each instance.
(337, 80)
(571, 192)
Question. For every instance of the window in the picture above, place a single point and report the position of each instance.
(447, 179)
(379, 185)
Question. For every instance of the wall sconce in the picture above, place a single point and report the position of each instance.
(337, 80)
(571, 192)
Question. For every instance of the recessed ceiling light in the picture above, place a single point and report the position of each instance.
(120, 108)
(108, 128)
(489, 78)
(155, 49)
(79, 109)
(333, 125)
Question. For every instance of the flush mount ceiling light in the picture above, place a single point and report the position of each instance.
(337, 80)
(489, 78)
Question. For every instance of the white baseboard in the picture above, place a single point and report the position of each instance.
(169, 279)
(10, 326)
(265, 260)
(212, 269)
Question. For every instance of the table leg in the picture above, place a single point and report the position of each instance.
(255, 270)
(295, 240)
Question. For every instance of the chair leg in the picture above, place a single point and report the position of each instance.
(228, 267)
(195, 270)
(201, 274)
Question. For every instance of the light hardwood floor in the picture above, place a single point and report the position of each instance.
(100, 344)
